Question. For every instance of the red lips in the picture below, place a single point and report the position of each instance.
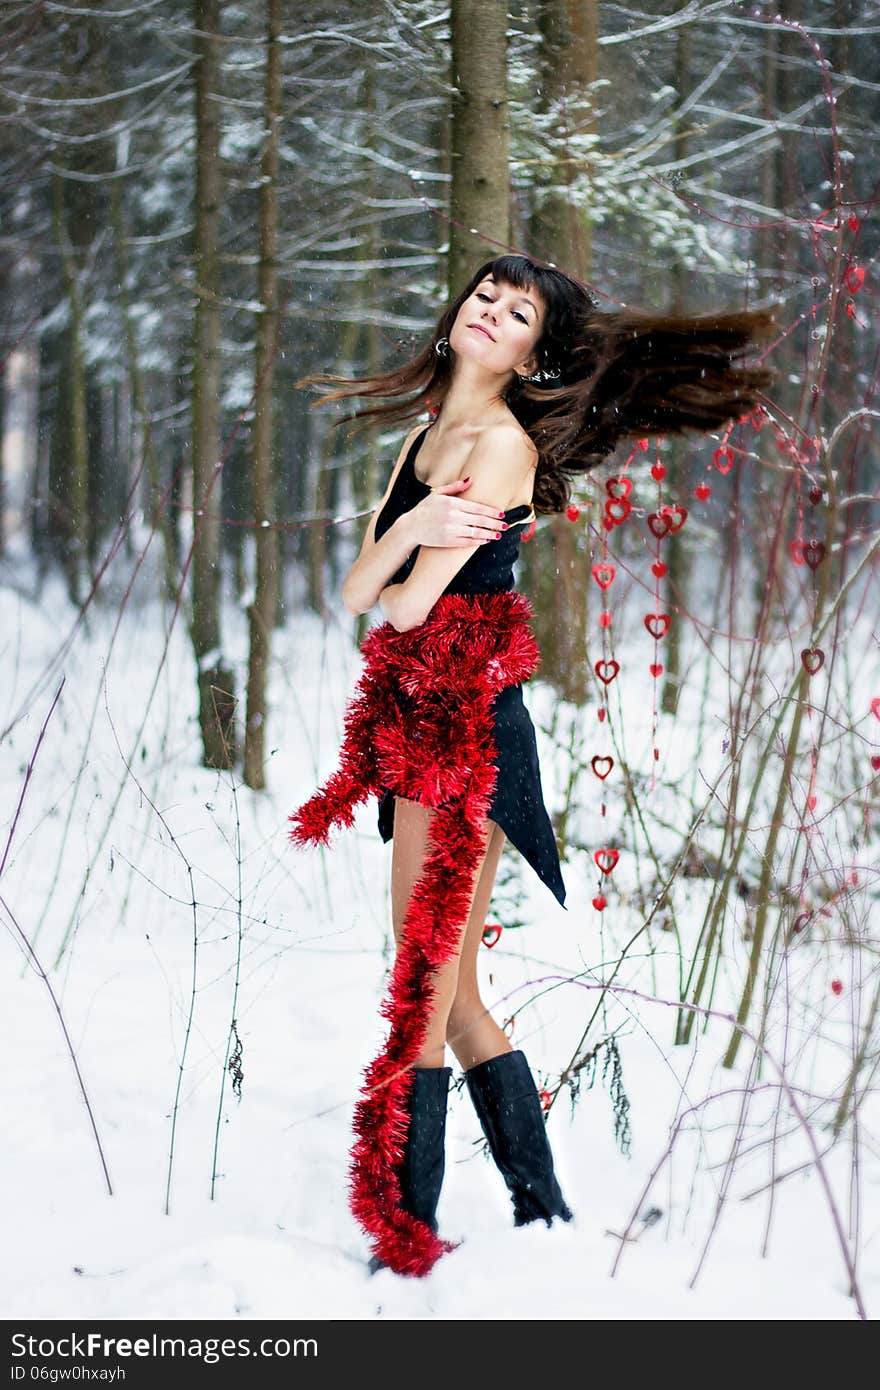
(482, 330)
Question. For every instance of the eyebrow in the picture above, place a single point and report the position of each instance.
(524, 298)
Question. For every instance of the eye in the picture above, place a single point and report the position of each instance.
(522, 318)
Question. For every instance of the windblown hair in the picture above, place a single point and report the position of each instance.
(629, 372)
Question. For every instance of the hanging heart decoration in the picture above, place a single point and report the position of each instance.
(643, 445)
(659, 524)
(598, 761)
(702, 491)
(814, 553)
(605, 619)
(813, 659)
(656, 669)
(657, 624)
(573, 511)
(723, 460)
(619, 486)
(606, 859)
(598, 902)
(875, 706)
(659, 568)
(875, 761)
(854, 277)
(658, 472)
(675, 510)
(491, 934)
(603, 573)
(609, 667)
(617, 509)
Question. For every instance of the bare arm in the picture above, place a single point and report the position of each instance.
(495, 459)
(441, 520)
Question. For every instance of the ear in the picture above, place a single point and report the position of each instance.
(529, 366)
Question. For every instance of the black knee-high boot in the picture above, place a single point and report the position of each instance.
(424, 1155)
(508, 1106)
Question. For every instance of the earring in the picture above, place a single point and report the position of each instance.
(542, 376)
(441, 347)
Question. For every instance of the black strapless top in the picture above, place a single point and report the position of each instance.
(490, 569)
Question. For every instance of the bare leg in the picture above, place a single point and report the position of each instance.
(471, 1031)
(411, 824)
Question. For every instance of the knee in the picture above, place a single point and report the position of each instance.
(465, 1011)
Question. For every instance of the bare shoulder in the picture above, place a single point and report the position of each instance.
(505, 457)
(508, 435)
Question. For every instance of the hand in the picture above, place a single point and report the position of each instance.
(445, 518)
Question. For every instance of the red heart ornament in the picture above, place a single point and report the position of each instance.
(659, 568)
(603, 855)
(673, 511)
(656, 669)
(598, 902)
(814, 553)
(702, 491)
(605, 619)
(657, 624)
(605, 758)
(617, 509)
(491, 934)
(602, 666)
(604, 573)
(815, 495)
(573, 511)
(619, 486)
(875, 706)
(658, 471)
(811, 803)
(659, 524)
(855, 278)
(875, 761)
(723, 460)
(643, 445)
(600, 714)
(852, 222)
(813, 659)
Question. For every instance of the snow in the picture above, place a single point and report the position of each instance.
(93, 864)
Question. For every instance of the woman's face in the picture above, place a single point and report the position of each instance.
(498, 325)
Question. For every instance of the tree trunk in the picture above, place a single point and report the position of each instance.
(558, 573)
(479, 199)
(262, 611)
(216, 682)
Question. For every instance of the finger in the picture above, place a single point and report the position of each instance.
(456, 483)
(481, 531)
(480, 509)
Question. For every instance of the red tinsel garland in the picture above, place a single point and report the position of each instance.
(420, 724)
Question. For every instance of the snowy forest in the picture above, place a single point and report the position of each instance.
(201, 205)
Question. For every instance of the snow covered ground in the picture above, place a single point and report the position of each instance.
(295, 945)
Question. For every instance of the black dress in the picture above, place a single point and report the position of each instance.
(518, 804)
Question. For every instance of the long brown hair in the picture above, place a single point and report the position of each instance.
(604, 375)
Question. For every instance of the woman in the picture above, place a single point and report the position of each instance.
(529, 385)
